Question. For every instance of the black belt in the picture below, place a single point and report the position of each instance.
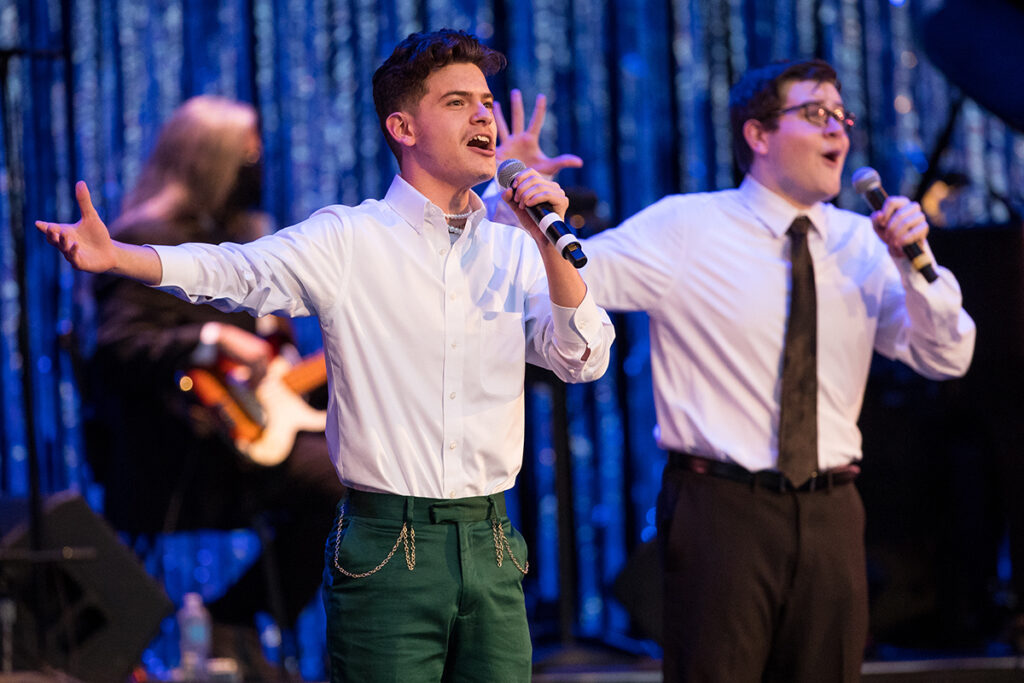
(767, 479)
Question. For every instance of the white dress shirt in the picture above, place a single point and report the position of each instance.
(426, 340)
(712, 271)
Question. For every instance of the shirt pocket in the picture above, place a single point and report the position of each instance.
(502, 353)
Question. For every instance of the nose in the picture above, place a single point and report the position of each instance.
(482, 112)
(834, 127)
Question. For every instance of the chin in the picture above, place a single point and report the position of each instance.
(831, 190)
(485, 174)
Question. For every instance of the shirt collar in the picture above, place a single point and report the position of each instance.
(418, 211)
(774, 212)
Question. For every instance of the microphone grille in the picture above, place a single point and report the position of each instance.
(866, 179)
(508, 170)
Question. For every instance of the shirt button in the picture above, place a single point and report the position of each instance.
(455, 344)
(451, 395)
(451, 494)
(453, 296)
(451, 446)
(442, 252)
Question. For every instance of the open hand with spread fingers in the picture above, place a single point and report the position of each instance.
(523, 143)
(87, 245)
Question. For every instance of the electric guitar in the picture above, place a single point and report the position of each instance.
(263, 422)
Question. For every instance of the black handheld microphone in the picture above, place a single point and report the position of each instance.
(867, 182)
(543, 214)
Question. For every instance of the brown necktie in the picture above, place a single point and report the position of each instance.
(798, 417)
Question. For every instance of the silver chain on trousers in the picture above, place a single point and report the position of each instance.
(407, 538)
(499, 541)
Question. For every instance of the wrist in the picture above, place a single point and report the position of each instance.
(210, 333)
(205, 352)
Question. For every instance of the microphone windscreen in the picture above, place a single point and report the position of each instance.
(866, 179)
(508, 170)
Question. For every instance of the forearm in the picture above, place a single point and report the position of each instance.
(565, 285)
(942, 334)
(937, 336)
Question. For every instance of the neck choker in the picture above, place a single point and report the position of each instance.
(457, 216)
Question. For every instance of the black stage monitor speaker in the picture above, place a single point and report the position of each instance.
(93, 617)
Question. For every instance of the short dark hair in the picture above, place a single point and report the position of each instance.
(401, 79)
(758, 95)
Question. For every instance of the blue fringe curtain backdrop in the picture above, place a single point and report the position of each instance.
(637, 88)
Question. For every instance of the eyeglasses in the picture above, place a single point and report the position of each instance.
(818, 114)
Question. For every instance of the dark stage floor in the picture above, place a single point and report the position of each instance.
(966, 670)
(1006, 669)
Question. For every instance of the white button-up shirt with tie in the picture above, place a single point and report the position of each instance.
(712, 271)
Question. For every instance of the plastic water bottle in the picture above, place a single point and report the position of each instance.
(195, 632)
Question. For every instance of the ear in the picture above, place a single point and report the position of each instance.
(756, 136)
(400, 127)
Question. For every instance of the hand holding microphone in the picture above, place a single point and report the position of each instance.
(544, 215)
(867, 182)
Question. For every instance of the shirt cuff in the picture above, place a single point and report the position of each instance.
(175, 265)
(578, 326)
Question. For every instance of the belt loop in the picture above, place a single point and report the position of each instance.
(410, 507)
(492, 509)
(830, 479)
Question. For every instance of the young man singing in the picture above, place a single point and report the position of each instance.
(429, 312)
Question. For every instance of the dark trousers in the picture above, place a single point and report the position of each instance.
(419, 590)
(761, 585)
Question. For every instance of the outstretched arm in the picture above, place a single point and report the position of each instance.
(87, 245)
(524, 143)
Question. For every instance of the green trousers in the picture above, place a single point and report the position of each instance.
(421, 589)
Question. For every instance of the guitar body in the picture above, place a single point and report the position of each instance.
(286, 414)
(263, 423)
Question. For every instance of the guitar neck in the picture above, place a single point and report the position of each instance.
(308, 374)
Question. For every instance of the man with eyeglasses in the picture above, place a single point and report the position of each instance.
(766, 304)
(758, 392)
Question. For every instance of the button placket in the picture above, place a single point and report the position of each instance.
(455, 302)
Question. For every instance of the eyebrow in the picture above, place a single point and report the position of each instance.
(820, 103)
(466, 93)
